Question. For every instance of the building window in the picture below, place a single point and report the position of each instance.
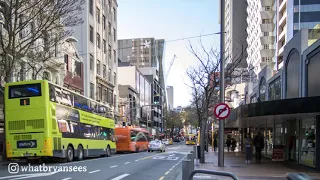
(109, 75)
(114, 14)
(91, 62)
(104, 46)
(66, 61)
(78, 68)
(110, 6)
(115, 56)
(110, 51)
(114, 78)
(98, 15)
(114, 35)
(91, 7)
(99, 92)
(104, 22)
(91, 34)
(105, 95)
(109, 28)
(104, 71)
(262, 90)
(98, 67)
(98, 40)
(91, 90)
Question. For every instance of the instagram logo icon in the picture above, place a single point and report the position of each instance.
(13, 168)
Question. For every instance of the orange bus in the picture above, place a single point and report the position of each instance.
(132, 139)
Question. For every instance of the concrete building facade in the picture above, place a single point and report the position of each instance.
(97, 45)
(170, 96)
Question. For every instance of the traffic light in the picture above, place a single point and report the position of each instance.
(156, 99)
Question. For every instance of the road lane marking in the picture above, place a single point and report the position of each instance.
(167, 173)
(94, 171)
(66, 178)
(127, 163)
(161, 178)
(121, 176)
(88, 160)
(114, 166)
(148, 157)
(137, 160)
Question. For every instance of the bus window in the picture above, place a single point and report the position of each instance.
(63, 126)
(133, 135)
(27, 90)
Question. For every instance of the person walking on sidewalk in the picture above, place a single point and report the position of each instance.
(228, 143)
(248, 148)
(259, 145)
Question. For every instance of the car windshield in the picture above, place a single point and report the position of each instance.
(155, 142)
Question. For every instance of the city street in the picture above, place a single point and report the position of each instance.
(134, 166)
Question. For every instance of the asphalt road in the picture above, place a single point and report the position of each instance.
(133, 166)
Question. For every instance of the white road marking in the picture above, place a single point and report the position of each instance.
(28, 176)
(137, 160)
(121, 176)
(76, 162)
(127, 163)
(94, 171)
(114, 166)
(66, 178)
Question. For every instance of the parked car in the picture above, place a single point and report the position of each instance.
(156, 145)
(166, 142)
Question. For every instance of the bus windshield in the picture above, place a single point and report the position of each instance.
(27, 90)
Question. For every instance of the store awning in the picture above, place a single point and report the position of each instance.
(261, 112)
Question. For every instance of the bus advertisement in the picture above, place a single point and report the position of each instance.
(132, 139)
(44, 120)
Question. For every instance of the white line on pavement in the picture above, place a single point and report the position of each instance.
(137, 160)
(66, 178)
(127, 163)
(76, 162)
(114, 166)
(94, 171)
(121, 176)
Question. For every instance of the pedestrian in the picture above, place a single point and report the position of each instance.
(233, 144)
(228, 143)
(259, 145)
(215, 144)
(248, 148)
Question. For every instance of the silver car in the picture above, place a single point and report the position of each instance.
(156, 145)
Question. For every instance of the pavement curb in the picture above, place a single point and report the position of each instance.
(179, 177)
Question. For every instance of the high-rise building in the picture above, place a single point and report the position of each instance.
(147, 55)
(97, 45)
(170, 97)
(235, 30)
(261, 35)
(293, 15)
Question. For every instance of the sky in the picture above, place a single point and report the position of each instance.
(171, 20)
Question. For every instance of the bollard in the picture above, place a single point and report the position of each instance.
(195, 152)
(192, 152)
(186, 168)
(190, 157)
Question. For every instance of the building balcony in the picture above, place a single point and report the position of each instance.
(267, 13)
(280, 52)
(267, 52)
(267, 27)
(282, 35)
(283, 20)
(283, 5)
(267, 39)
(267, 3)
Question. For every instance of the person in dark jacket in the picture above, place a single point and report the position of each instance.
(258, 142)
(215, 144)
(228, 143)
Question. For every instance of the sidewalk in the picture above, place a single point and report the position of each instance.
(235, 162)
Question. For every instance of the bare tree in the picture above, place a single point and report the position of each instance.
(205, 84)
(31, 30)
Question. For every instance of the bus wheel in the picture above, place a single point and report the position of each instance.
(137, 149)
(108, 151)
(69, 154)
(80, 153)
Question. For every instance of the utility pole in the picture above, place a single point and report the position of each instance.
(222, 76)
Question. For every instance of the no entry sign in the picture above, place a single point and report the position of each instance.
(221, 111)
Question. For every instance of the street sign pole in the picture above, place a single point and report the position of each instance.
(221, 122)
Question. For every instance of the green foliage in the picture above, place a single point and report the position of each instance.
(190, 116)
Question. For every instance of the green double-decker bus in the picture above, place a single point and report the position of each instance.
(43, 120)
